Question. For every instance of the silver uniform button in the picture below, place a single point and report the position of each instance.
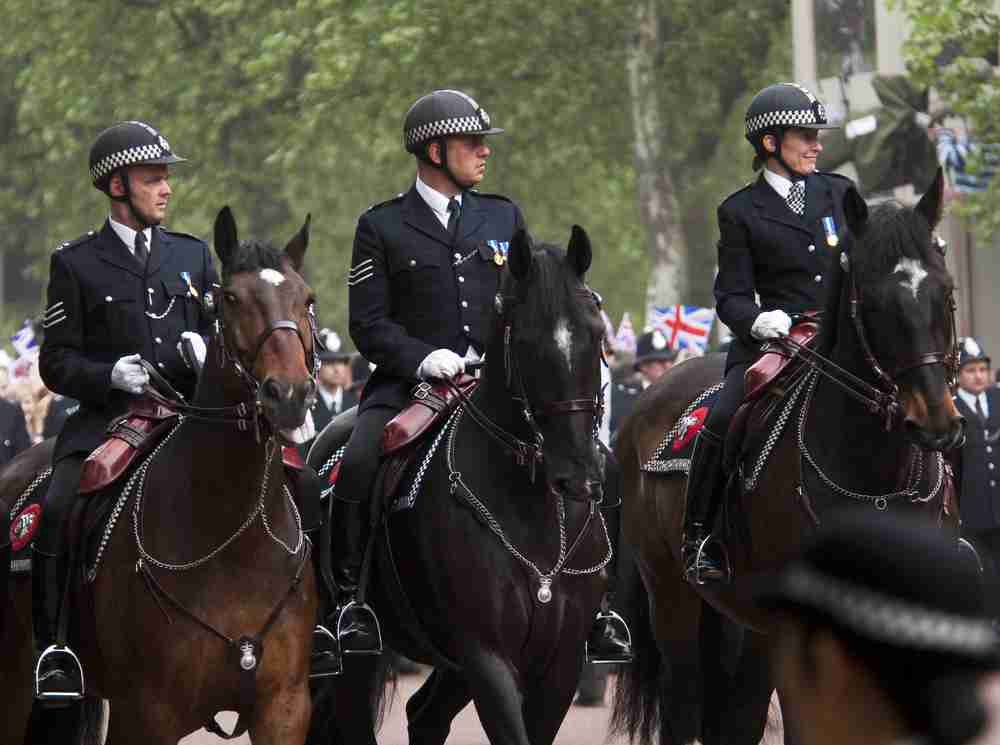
(149, 290)
(466, 330)
(992, 482)
(989, 448)
(159, 364)
(465, 303)
(818, 278)
(457, 256)
(811, 248)
(108, 299)
(990, 466)
(461, 278)
(158, 340)
(6, 443)
(413, 262)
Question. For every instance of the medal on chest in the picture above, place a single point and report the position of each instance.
(500, 249)
(830, 228)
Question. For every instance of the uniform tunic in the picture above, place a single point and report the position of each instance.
(980, 494)
(13, 432)
(768, 251)
(104, 305)
(414, 288)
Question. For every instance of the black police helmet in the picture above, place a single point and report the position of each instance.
(779, 107)
(653, 346)
(970, 350)
(127, 144)
(441, 114)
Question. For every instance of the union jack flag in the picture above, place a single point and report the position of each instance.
(685, 326)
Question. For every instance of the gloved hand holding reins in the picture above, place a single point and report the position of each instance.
(128, 375)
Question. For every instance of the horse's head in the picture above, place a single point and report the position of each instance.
(899, 290)
(550, 329)
(267, 321)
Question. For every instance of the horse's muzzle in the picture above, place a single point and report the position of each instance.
(284, 404)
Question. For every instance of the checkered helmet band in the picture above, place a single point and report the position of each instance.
(796, 118)
(457, 126)
(127, 157)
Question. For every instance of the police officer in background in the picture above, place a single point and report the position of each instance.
(979, 403)
(13, 431)
(776, 239)
(653, 357)
(333, 382)
(119, 296)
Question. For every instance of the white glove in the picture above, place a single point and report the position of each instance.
(441, 363)
(197, 346)
(771, 324)
(128, 375)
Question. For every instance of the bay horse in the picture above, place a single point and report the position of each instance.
(866, 427)
(501, 556)
(202, 597)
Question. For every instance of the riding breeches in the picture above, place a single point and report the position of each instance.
(63, 489)
(363, 455)
(729, 400)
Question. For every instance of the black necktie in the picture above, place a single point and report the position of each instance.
(141, 252)
(796, 198)
(979, 411)
(454, 212)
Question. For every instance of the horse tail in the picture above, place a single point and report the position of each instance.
(636, 711)
(81, 723)
(343, 695)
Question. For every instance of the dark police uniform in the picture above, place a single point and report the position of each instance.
(104, 305)
(623, 397)
(13, 432)
(980, 488)
(785, 258)
(414, 288)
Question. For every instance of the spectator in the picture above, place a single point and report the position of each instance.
(34, 408)
(5, 391)
(882, 635)
(60, 409)
(13, 432)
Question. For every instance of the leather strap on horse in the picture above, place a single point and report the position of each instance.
(249, 649)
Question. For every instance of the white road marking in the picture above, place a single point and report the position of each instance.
(272, 276)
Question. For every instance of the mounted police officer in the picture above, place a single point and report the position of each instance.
(125, 294)
(776, 240)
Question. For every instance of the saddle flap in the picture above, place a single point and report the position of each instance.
(773, 362)
(132, 434)
(431, 403)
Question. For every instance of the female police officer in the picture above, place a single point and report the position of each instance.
(776, 236)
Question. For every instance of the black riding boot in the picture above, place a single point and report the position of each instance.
(357, 627)
(610, 641)
(705, 557)
(58, 673)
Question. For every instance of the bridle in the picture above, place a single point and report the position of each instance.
(245, 415)
(881, 399)
(527, 454)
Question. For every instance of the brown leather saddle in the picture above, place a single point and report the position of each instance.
(766, 384)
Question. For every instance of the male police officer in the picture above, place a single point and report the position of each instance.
(979, 403)
(125, 294)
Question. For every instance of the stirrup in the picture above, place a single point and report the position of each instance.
(335, 661)
(63, 697)
(355, 606)
(615, 619)
(693, 573)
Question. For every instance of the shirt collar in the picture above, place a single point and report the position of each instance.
(778, 182)
(970, 400)
(128, 235)
(437, 201)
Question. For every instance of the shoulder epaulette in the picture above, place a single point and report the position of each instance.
(488, 195)
(387, 201)
(738, 192)
(182, 235)
(88, 236)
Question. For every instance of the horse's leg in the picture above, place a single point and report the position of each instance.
(546, 705)
(431, 709)
(498, 698)
(16, 662)
(283, 717)
(342, 711)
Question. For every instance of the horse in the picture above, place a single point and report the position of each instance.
(494, 574)
(205, 599)
(867, 425)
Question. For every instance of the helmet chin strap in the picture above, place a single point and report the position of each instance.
(127, 199)
(443, 152)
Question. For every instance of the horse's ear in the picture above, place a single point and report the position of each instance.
(519, 256)
(931, 204)
(579, 253)
(226, 239)
(856, 212)
(296, 248)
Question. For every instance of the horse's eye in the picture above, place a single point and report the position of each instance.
(230, 297)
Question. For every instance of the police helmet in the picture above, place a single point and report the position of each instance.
(653, 346)
(127, 144)
(333, 348)
(969, 350)
(783, 106)
(441, 114)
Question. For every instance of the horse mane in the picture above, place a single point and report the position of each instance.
(252, 255)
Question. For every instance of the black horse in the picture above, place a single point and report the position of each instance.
(868, 425)
(494, 574)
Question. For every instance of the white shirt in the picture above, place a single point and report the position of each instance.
(437, 201)
(778, 182)
(970, 401)
(128, 235)
(331, 399)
